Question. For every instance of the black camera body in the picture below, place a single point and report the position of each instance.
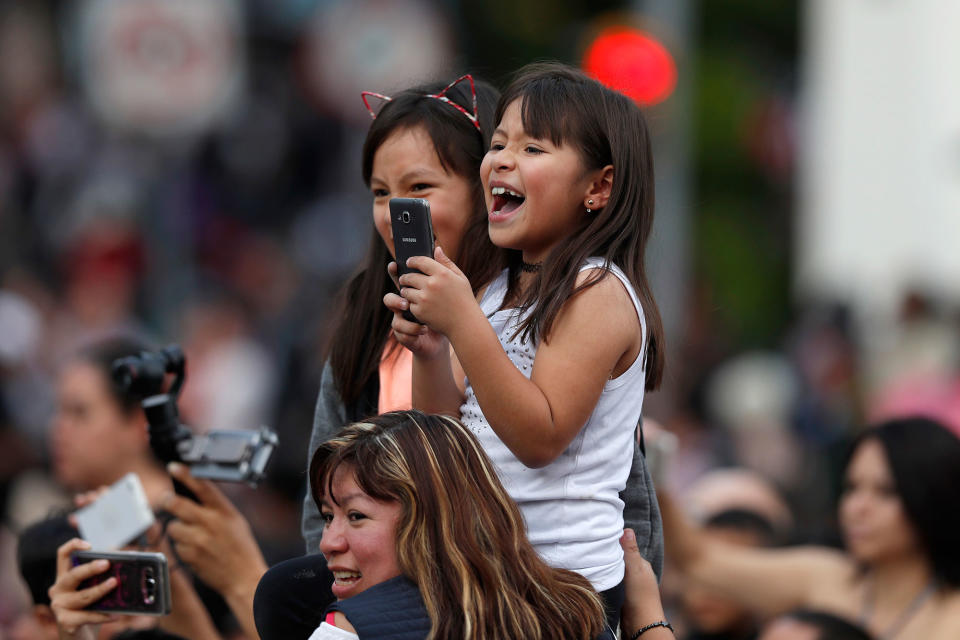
(226, 455)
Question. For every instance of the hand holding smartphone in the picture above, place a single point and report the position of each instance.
(143, 582)
(412, 234)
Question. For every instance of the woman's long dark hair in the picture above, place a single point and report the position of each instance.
(363, 322)
(924, 458)
(565, 106)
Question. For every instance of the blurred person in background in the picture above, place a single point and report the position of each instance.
(899, 575)
(743, 490)
(915, 369)
(736, 506)
(232, 377)
(804, 624)
(709, 613)
(99, 432)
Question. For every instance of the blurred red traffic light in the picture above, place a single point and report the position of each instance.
(633, 63)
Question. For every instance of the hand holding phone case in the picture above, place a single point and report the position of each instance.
(143, 582)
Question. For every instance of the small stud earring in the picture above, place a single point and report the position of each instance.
(590, 203)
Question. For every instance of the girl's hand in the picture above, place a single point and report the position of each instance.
(418, 338)
(440, 294)
(68, 603)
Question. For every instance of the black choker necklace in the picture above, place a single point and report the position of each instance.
(530, 268)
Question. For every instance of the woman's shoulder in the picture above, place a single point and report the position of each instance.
(392, 609)
(341, 630)
(834, 580)
(949, 604)
(944, 620)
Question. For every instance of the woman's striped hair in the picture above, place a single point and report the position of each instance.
(460, 538)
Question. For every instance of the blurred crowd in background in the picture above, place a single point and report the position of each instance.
(188, 171)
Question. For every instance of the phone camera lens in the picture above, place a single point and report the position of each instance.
(148, 586)
(405, 217)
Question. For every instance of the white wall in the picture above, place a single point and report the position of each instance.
(879, 182)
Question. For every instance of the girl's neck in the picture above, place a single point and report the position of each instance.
(530, 267)
(523, 282)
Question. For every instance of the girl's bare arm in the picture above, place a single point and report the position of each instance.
(537, 418)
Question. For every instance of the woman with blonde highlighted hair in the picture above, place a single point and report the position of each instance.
(424, 542)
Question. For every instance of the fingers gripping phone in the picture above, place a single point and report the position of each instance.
(143, 582)
(412, 234)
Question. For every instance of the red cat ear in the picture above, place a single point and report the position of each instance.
(473, 117)
(366, 95)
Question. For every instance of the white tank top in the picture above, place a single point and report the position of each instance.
(573, 512)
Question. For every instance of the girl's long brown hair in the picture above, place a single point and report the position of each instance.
(460, 537)
(565, 106)
(362, 322)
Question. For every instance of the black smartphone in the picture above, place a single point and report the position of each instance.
(412, 234)
(143, 582)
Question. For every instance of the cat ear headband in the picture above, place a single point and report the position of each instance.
(441, 96)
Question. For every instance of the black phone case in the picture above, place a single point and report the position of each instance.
(412, 234)
(143, 582)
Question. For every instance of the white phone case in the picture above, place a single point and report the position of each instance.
(117, 517)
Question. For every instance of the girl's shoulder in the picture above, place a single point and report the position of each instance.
(610, 284)
(596, 266)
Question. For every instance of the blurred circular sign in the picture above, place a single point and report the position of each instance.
(163, 67)
(632, 62)
(371, 45)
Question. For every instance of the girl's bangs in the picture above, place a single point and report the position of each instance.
(548, 111)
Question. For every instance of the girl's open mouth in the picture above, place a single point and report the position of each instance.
(506, 200)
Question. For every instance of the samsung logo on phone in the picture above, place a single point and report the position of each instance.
(408, 239)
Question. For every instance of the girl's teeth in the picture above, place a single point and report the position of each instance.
(499, 191)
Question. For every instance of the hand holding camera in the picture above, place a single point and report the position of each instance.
(215, 540)
(228, 455)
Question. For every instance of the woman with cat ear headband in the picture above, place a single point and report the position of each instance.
(424, 142)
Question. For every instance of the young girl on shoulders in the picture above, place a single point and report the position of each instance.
(552, 360)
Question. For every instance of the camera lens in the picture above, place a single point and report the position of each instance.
(148, 586)
(405, 217)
